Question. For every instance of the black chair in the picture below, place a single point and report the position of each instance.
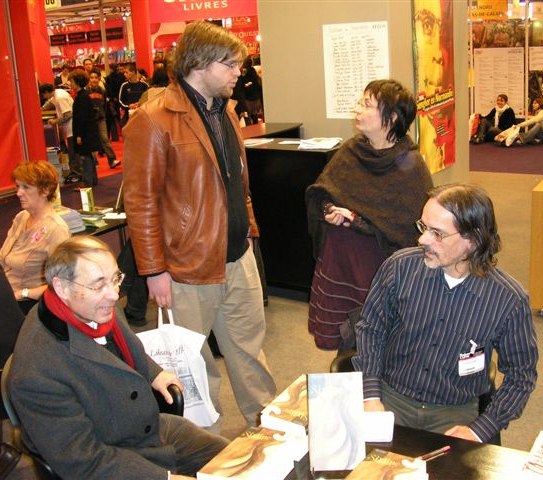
(41, 468)
(343, 363)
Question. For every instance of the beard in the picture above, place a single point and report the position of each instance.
(431, 260)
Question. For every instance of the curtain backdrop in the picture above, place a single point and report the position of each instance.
(11, 151)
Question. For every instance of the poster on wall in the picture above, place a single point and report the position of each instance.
(434, 74)
(499, 70)
(354, 55)
(535, 57)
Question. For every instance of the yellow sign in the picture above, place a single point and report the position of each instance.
(52, 4)
(489, 10)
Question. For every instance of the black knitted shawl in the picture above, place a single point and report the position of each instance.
(387, 188)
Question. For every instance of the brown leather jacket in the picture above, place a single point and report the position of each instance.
(174, 195)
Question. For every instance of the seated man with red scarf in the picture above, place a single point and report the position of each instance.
(81, 382)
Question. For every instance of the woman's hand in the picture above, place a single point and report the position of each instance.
(339, 216)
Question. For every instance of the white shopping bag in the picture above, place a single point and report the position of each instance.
(177, 349)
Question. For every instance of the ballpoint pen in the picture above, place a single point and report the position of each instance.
(436, 453)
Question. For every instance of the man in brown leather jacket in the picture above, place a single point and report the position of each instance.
(190, 214)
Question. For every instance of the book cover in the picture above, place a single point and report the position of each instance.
(288, 411)
(257, 454)
(379, 465)
(319, 143)
(533, 468)
(336, 421)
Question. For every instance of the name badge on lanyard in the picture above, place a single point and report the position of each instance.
(472, 361)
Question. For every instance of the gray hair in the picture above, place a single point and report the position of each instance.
(63, 261)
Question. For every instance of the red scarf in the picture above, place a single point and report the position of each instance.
(61, 311)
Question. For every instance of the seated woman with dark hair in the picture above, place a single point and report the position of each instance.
(34, 233)
(500, 118)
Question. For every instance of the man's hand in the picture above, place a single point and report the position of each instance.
(462, 431)
(374, 405)
(162, 381)
(180, 477)
(160, 289)
(52, 121)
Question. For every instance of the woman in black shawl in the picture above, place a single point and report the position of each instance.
(364, 206)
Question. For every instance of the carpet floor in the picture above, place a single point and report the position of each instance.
(490, 157)
(103, 169)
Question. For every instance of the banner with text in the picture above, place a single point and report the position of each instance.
(188, 10)
(434, 72)
(489, 10)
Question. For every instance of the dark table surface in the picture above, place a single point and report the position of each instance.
(465, 461)
(112, 225)
(271, 130)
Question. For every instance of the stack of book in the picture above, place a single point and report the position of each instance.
(380, 464)
(267, 452)
(288, 412)
(257, 454)
(72, 218)
(94, 220)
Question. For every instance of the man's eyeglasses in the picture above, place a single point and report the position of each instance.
(115, 282)
(436, 234)
(232, 64)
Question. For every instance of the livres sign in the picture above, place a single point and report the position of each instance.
(182, 10)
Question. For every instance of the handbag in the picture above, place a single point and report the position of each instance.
(177, 349)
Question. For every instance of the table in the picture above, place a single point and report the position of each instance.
(465, 461)
(112, 225)
(279, 175)
(272, 130)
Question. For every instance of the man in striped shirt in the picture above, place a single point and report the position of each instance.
(433, 317)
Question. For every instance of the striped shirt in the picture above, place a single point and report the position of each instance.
(413, 329)
(213, 116)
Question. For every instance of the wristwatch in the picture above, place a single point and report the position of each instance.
(25, 293)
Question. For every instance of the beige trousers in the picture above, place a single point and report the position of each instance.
(235, 312)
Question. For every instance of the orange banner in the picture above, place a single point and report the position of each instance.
(489, 10)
